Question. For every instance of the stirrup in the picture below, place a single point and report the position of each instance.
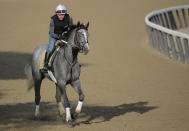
(45, 69)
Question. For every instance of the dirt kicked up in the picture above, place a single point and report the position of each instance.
(128, 86)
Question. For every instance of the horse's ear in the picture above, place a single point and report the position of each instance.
(78, 24)
(87, 25)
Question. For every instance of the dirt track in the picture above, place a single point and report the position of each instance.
(128, 86)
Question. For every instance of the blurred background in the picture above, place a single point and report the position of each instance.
(127, 84)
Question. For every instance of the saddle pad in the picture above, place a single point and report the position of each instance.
(51, 60)
(42, 61)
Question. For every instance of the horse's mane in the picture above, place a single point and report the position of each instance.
(71, 28)
(78, 25)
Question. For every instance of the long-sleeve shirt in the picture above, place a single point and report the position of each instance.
(52, 28)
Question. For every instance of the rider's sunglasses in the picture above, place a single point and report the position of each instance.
(61, 12)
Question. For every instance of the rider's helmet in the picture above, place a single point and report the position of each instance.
(61, 9)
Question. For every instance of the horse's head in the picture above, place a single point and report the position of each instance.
(81, 37)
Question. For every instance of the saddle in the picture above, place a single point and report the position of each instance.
(58, 45)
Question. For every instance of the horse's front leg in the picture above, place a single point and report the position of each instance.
(77, 86)
(62, 86)
(59, 102)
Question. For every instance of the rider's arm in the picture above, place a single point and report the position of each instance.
(51, 30)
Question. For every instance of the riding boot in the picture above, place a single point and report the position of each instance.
(47, 56)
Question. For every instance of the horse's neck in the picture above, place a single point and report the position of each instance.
(68, 49)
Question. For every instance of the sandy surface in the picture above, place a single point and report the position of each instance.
(128, 86)
(185, 30)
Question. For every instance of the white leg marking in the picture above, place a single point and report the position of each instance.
(68, 115)
(37, 110)
(79, 106)
(61, 108)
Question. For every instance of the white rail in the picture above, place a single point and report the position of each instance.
(162, 27)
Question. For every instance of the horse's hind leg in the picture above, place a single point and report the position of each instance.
(37, 84)
(59, 102)
(77, 86)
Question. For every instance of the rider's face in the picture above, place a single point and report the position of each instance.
(60, 16)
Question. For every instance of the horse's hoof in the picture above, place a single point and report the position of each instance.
(71, 124)
(61, 114)
(64, 118)
(36, 118)
(74, 115)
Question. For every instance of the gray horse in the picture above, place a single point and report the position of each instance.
(66, 70)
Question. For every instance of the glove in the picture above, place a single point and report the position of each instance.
(63, 35)
(59, 37)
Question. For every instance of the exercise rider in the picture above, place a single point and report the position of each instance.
(59, 25)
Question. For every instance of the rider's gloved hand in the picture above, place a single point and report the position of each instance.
(62, 36)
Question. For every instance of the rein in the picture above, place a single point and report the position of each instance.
(71, 44)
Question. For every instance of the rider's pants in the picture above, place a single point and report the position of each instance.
(51, 45)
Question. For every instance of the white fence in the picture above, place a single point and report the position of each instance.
(162, 27)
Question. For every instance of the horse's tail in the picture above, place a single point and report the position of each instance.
(29, 76)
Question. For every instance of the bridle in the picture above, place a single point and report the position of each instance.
(78, 34)
(77, 44)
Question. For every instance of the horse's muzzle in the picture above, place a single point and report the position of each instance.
(86, 49)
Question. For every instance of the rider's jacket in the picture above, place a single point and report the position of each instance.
(57, 26)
